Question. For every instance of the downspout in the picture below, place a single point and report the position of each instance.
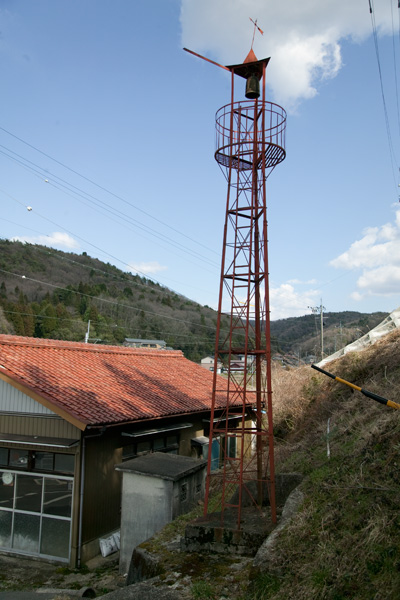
(82, 488)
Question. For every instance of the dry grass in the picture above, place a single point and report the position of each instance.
(292, 393)
(345, 540)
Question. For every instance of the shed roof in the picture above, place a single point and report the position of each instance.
(90, 384)
(164, 466)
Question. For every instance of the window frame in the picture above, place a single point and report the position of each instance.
(168, 446)
(30, 466)
(41, 515)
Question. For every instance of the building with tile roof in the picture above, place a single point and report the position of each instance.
(69, 413)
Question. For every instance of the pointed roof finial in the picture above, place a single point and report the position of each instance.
(254, 32)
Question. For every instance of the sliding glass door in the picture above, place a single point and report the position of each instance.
(35, 514)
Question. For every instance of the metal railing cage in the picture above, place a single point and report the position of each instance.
(250, 135)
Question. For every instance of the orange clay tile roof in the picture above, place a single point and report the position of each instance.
(101, 385)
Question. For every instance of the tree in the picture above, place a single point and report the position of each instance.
(46, 321)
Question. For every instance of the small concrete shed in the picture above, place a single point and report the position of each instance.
(156, 488)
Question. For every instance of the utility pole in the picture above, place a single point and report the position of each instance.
(315, 310)
(321, 310)
(87, 333)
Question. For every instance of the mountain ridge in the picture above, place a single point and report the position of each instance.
(50, 293)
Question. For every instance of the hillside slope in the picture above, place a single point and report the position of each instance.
(302, 335)
(345, 540)
(53, 294)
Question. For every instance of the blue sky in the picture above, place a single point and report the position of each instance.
(107, 135)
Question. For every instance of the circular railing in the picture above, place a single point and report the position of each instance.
(250, 134)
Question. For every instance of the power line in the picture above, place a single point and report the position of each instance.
(105, 209)
(104, 189)
(386, 115)
(107, 301)
(115, 258)
(394, 64)
(45, 250)
(105, 325)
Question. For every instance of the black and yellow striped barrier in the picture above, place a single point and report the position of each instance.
(379, 399)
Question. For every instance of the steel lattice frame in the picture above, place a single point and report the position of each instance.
(250, 142)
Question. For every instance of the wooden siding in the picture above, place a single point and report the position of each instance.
(41, 426)
(102, 486)
(186, 436)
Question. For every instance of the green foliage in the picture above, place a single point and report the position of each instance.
(201, 590)
(118, 304)
(264, 585)
(46, 321)
(303, 333)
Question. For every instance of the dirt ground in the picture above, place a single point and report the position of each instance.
(23, 574)
(191, 575)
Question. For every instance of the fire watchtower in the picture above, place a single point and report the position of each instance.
(250, 143)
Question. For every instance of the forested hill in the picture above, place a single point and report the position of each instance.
(52, 294)
(301, 336)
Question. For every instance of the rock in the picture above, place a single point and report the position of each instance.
(264, 553)
(143, 566)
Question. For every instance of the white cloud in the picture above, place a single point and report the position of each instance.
(299, 282)
(56, 239)
(377, 254)
(303, 39)
(356, 296)
(383, 281)
(377, 247)
(286, 302)
(148, 268)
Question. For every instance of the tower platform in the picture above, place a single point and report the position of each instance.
(219, 533)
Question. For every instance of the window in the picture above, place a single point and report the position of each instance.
(159, 444)
(184, 492)
(142, 447)
(4, 457)
(35, 513)
(44, 461)
(19, 458)
(31, 460)
(166, 443)
(128, 452)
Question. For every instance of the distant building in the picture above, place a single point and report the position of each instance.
(139, 343)
(240, 363)
(208, 363)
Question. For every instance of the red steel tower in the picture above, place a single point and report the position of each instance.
(250, 142)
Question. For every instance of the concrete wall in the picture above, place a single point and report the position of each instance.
(156, 489)
(147, 505)
(187, 492)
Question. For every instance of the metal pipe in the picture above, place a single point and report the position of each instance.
(371, 395)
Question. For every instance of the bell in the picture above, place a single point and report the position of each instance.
(252, 87)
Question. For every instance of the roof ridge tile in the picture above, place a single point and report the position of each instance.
(19, 340)
(107, 385)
